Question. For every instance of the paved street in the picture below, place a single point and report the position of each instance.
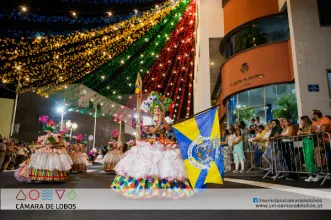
(96, 178)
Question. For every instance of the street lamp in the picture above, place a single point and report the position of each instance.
(71, 126)
(61, 109)
(68, 124)
(74, 126)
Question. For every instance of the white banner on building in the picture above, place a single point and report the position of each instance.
(106, 199)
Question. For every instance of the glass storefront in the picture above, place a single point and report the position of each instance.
(268, 102)
(262, 32)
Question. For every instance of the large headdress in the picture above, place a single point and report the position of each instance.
(48, 124)
(156, 99)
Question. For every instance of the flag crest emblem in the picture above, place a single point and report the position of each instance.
(198, 139)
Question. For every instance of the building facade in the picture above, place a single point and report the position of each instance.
(277, 60)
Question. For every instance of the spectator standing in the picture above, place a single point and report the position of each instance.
(226, 150)
(266, 145)
(321, 124)
(238, 152)
(252, 128)
(245, 134)
(2, 152)
(258, 144)
(308, 148)
(288, 148)
(21, 154)
(10, 155)
(275, 144)
(231, 137)
(276, 129)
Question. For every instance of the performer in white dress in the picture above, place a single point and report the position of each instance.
(113, 156)
(154, 167)
(79, 159)
(50, 163)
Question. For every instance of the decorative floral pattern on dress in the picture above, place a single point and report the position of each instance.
(226, 152)
(151, 187)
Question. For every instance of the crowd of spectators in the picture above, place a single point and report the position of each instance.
(13, 153)
(274, 146)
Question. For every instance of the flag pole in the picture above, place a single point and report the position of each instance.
(138, 115)
(120, 137)
(139, 88)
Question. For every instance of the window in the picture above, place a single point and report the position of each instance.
(324, 8)
(269, 30)
(268, 102)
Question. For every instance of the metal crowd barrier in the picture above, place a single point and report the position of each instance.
(292, 156)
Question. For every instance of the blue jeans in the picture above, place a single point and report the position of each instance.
(257, 155)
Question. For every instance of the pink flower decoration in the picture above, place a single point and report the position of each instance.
(79, 137)
(43, 118)
(115, 134)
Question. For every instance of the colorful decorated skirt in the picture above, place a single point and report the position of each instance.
(152, 170)
(48, 164)
(78, 167)
(107, 167)
(48, 176)
(80, 162)
(152, 187)
(111, 159)
(22, 174)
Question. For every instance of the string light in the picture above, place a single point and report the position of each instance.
(147, 55)
(178, 78)
(42, 74)
(24, 9)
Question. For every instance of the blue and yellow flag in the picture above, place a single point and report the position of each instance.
(199, 142)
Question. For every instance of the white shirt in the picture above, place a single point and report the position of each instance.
(231, 139)
(266, 136)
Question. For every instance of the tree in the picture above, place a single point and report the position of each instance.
(246, 114)
(287, 108)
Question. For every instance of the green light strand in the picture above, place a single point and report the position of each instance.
(124, 82)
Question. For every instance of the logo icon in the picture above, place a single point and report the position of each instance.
(47, 194)
(72, 195)
(255, 200)
(244, 68)
(202, 151)
(60, 193)
(21, 195)
(34, 194)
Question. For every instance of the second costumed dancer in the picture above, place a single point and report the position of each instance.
(78, 157)
(114, 154)
(154, 167)
(50, 163)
